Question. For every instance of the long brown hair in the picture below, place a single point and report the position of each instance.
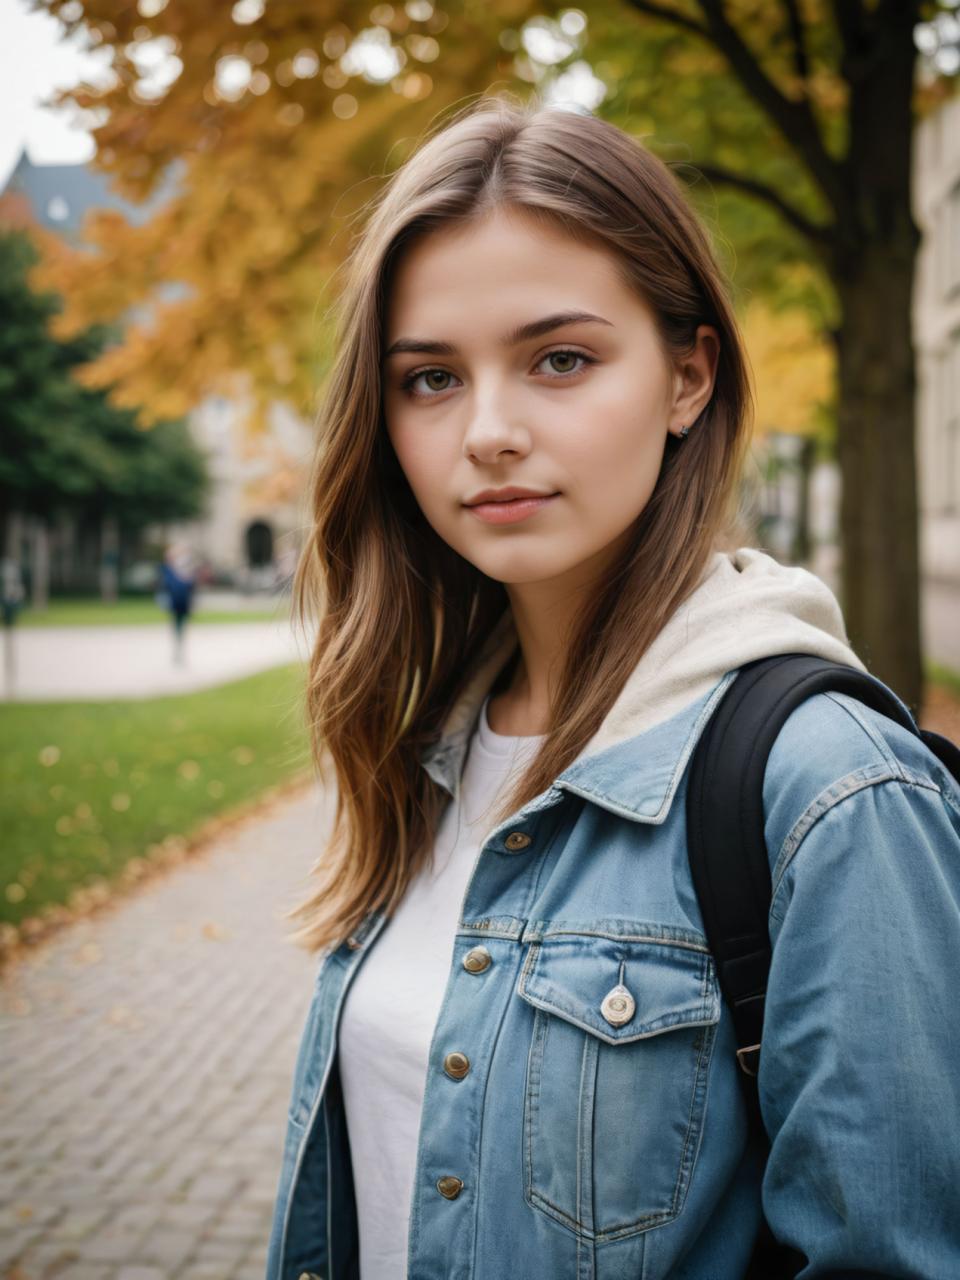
(401, 617)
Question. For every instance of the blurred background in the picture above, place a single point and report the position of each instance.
(178, 183)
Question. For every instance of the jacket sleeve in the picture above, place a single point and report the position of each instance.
(860, 1063)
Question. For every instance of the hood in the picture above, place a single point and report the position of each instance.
(746, 606)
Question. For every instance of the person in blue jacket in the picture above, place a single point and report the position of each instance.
(177, 582)
(516, 1062)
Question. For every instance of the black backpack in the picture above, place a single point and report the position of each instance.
(728, 854)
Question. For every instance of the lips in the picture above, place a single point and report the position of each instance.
(511, 510)
(507, 494)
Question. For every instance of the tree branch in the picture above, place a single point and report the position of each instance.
(681, 20)
(794, 119)
(848, 15)
(821, 235)
(798, 36)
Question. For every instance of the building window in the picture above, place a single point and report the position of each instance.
(57, 209)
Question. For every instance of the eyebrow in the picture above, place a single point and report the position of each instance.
(523, 333)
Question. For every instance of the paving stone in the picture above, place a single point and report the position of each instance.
(77, 1224)
(45, 1261)
(211, 1270)
(168, 1249)
(220, 1250)
(23, 1213)
(15, 1241)
(119, 1248)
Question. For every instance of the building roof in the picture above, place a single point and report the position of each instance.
(60, 194)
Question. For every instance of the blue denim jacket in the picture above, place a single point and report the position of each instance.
(580, 1148)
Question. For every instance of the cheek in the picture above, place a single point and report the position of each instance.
(425, 460)
(617, 457)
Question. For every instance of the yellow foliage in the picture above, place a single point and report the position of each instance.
(793, 368)
(272, 178)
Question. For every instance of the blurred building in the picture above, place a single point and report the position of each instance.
(936, 328)
(251, 531)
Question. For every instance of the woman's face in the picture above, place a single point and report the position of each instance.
(579, 410)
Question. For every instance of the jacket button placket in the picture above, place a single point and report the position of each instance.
(450, 1152)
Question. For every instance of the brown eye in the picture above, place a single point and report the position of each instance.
(409, 382)
(563, 355)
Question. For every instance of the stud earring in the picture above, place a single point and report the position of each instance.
(683, 433)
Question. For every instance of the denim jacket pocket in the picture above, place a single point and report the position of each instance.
(616, 1082)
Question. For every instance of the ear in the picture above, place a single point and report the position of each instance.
(694, 377)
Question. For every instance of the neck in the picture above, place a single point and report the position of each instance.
(545, 615)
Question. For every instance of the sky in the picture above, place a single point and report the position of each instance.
(34, 60)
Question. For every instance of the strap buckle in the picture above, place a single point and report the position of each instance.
(750, 1068)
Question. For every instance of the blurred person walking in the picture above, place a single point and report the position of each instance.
(178, 579)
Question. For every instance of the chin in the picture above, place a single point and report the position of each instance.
(516, 570)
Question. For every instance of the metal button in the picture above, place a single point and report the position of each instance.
(517, 840)
(456, 1065)
(476, 960)
(618, 1005)
(450, 1187)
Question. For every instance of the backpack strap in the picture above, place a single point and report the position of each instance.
(725, 818)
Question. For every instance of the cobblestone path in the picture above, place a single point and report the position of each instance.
(146, 1064)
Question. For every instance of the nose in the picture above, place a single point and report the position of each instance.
(492, 431)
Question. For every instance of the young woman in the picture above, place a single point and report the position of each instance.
(516, 1062)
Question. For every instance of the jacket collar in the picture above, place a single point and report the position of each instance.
(745, 606)
(635, 778)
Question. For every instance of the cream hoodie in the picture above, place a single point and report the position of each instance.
(746, 606)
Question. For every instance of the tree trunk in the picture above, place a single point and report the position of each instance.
(802, 540)
(880, 577)
(12, 531)
(39, 563)
(109, 558)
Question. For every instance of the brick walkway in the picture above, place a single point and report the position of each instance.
(147, 1059)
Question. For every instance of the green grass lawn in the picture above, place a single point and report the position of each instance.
(88, 786)
(136, 611)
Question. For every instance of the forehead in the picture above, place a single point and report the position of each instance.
(510, 263)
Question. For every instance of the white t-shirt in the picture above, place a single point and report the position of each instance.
(392, 1005)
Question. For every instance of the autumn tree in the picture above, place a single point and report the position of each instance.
(66, 449)
(792, 123)
(807, 111)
